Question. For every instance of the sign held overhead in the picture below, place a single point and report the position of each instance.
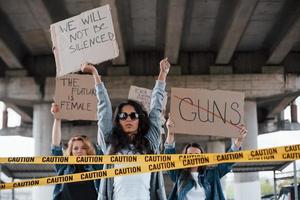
(76, 96)
(143, 95)
(88, 37)
(207, 112)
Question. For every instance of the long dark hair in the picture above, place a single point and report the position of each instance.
(185, 174)
(120, 140)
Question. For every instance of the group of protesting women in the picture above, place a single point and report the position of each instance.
(133, 131)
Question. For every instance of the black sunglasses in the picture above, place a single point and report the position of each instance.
(123, 116)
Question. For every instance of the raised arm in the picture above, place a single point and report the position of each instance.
(170, 147)
(56, 129)
(56, 148)
(170, 137)
(238, 142)
(236, 146)
(104, 111)
(164, 69)
(156, 106)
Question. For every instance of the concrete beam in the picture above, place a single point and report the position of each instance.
(281, 105)
(69, 130)
(237, 27)
(118, 71)
(12, 49)
(220, 69)
(121, 59)
(43, 17)
(288, 36)
(47, 13)
(21, 88)
(254, 85)
(24, 115)
(25, 131)
(6, 171)
(175, 19)
(272, 69)
(269, 126)
(16, 73)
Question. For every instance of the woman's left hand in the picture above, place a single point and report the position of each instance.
(164, 69)
(243, 133)
(164, 65)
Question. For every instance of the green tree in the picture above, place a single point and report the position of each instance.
(266, 187)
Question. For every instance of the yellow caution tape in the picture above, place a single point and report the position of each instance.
(274, 154)
(147, 163)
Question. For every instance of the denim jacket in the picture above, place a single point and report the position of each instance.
(157, 188)
(209, 179)
(64, 169)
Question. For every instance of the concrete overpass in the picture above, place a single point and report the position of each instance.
(243, 45)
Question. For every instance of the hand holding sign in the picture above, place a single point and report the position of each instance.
(88, 68)
(91, 69)
(243, 133)
(55, 110)
(170, 125)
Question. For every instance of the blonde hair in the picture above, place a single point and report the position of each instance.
(86, 142)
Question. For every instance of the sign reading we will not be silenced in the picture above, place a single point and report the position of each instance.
(207, 112)
(88, 37)
(76, 96)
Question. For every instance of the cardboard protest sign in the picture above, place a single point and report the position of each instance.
(143, 95)
(88, 37)
(207, 112)
(76, 96)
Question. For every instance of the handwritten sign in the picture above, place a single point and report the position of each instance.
(88, 37)
(76, 96)
(143, 95)
(207, 112)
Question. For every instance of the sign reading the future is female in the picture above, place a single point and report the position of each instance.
(76, 97)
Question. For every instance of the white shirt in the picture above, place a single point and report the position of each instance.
(131, 187)
(197, 192)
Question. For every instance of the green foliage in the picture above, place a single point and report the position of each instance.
(266, 187)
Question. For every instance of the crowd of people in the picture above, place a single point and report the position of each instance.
(133, 131)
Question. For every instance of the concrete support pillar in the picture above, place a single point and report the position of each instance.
(42, 129)
(5, 118)
(248, 183)
(294, 117)
(216, 147)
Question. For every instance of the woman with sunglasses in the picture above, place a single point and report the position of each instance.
(77, 146)
(131, 131)
(202, 183)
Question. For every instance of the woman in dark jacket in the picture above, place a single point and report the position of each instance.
(201, 183)
(77, 146)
